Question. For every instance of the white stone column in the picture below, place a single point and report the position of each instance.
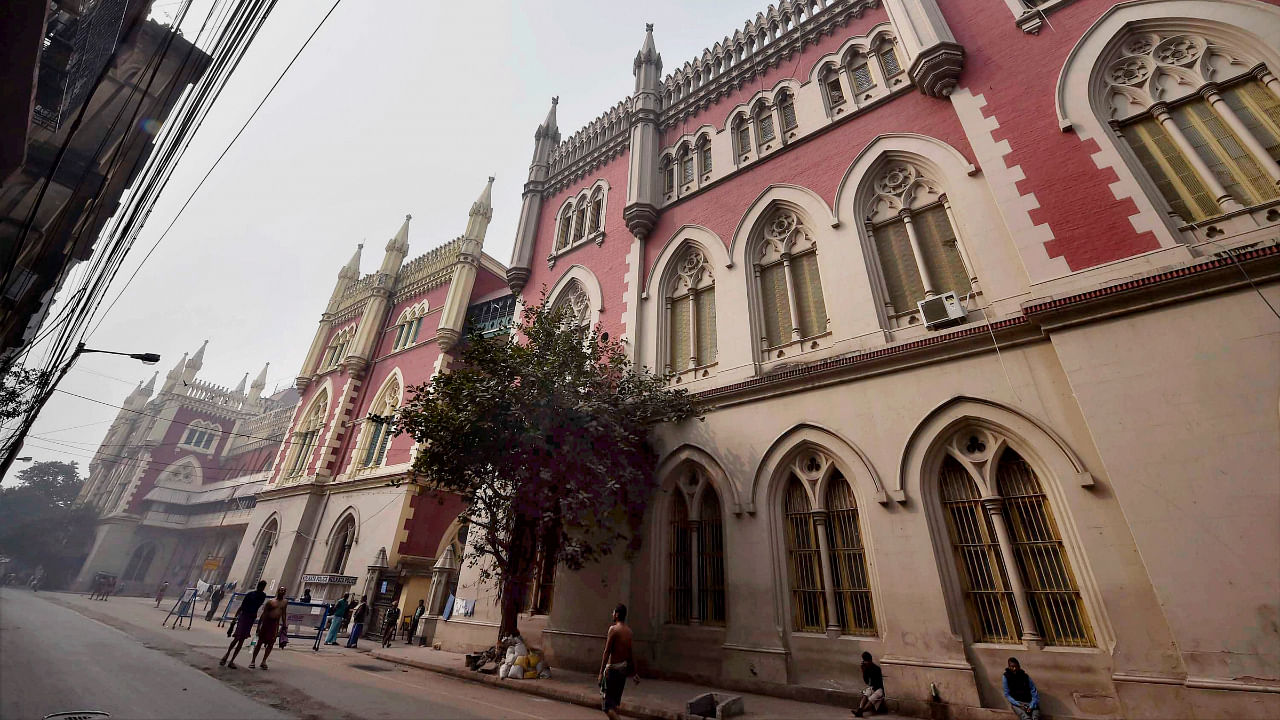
(1160, 112)
(1219, 105)
(995, 509)
(1268, 79)
(828, 582)
(791, 296)
(693, 329)
(955, 232)
(695, 609)
(926, 279)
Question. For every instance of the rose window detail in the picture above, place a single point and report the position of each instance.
(1129, 71)
(896, 179)
(1180, 50)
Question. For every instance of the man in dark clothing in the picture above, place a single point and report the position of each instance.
(417, 618)
(873, 696)
(215, 601)
(306, 596)
(389, 623)
(358, 616)
(617, 663)
(1021, 692)
(244, 623)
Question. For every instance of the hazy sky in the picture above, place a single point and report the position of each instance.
(397, 106)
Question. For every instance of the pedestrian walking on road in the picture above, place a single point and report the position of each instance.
(1021, 692)
(358, 616)
(389, 624)
(335, 622)
(249, 606)
(617, 663)
(873, 696)
(109, 590)
(160, 591)
(271, 626)
(214, 601)
(417, 618)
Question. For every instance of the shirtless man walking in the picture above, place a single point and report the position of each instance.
(617, 663)
(270, 627)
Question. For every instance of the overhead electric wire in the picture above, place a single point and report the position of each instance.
(213, 167)
(158, 417)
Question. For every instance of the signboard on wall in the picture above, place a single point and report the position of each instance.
(212, 563)
(326, 579)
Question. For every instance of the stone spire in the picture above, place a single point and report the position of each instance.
(347, 275)
(397, 250)
(260, 382)
(545, 140)
(174, 376)
(243, 382)
(643, 190)
(453, 314)
(194, 364)
(150, 387)
(141, 394)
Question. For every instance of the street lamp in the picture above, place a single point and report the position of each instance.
(15, 445)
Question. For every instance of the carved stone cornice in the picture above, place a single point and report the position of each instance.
(936, 70)
(447, 338)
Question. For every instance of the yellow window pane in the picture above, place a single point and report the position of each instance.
(1239, 174)
(941, 255)
(1259, 110)
(773, 301)
(680, 333)
(706, 318)
(983, 578)
(804, 572)
(898, 264)
(808, 289)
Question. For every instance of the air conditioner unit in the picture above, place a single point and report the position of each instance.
(941, 310)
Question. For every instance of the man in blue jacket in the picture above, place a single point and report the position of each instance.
(1020, 691)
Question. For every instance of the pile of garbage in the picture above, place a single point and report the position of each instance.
(521, 663)
(518, 661)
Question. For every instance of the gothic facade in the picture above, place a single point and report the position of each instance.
(981, 299)
(174, 480)
(339, 512)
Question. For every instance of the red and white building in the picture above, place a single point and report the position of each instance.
(977, 293)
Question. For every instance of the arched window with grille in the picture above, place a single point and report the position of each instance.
(337, 351)
(262, 551)
(785, 264)
(409, 325)
(787, 111)
(695, 552)
(804, 563)
(909, 221)
(848, 560)
(597, 211)
(1012, 565)
(668, 168)
(763, 116)
(686, 160)
(704, 156)
(565, 226)
(140, 562)
(376, 433)
(1200, 114)
(742, 136)
(691, 313)
(573, 304)
(307, 436)
(340, 543)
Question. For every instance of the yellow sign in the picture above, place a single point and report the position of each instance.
(213, 563)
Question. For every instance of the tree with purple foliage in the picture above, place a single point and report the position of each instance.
(545, 435)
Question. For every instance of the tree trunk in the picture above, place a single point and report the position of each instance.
(515, 581)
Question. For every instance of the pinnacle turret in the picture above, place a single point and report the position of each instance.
(648, 63)
(174, 376)
(351, 271)
(240, 387)
(260, 382)
(397, 250)
(481, 213)
(548, 127)
(194, 364)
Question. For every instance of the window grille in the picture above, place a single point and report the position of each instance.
(492, 317)
(597, 211)
(808, 289)
(680, 570)
(862, 78)
(711, 597)
(265, 543)
(744, 138)
(777, 310)
(808, 611)
(983, 577)
(1051, 586)
(1221, 150)
(668, 177)
(580, 223)
(788, 109)
(835, 94)
(889, 61)
(848, 561)
(765, 123)
(705, 152)
(306, 444)
(1259, 110)
(340, 551)
(686, 168)
(566, 220)
(1174, 177)
(379, 438)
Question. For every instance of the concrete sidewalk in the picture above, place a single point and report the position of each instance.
(649, 699)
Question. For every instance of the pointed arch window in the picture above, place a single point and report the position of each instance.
(742, 135)
(376, 435)
(832, 86)
(1013, 526)
(580, 221)
(691, 313)
(790, 289)
(910, 222)
(787, 111)
(201, 435)
(826, 559)
(704, 155)
(408, 326)
(686, 165)
(668, 175)
(574, 305)
(889, 59)
(566, 225)
(597, 210)
(344, 536)
(262, 551)
(307, 436)
(764, 123)
(337, 351)
(695, 553)
(1201, 117)
(140, 562)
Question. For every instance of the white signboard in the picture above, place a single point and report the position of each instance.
(326, 579)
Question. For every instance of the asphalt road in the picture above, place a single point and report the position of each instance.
(119, 659)
(53, 659)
